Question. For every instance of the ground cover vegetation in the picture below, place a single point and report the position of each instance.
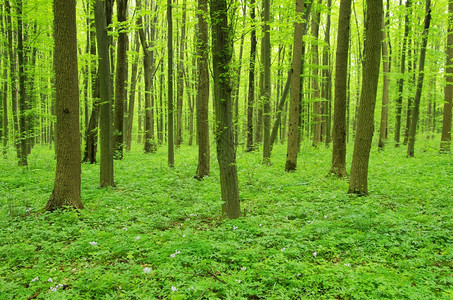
(159, 232)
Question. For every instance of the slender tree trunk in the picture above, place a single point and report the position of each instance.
(421, 74)
(317, 104)
(91, 134)
(280, 108)
(106, 128)
(121, 77)
(23, 138)
(133, 87)
(411, 69)
(238, 79)
(338, 167)
(180, 80)
(295, 90)
(226, 152)
(251, 90)
(445, 140)
(5, 86)
(267, 84)
(171, 146)
(385, 86)
(358, 183)
(203, 92)
(326, 92)
(66, 190)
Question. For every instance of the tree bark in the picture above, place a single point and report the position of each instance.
(358, 183)
(267, 83)
(66, 190)
(226, 152)
(180, 79)
(338, 167)
(23, 138)
(251, 88)
(445, 140)
(295, 89)
(385, 86)
(326, 92)
(132, 91)
(171, 146)
(203, 92)
(106, 128)
(121, 77)
(317, 104)
(5, 86)
(421, 74)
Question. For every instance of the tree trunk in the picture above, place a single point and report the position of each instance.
(121, 77)
(91, 135)
(295, 90)
(358, 183)
(280, 108)
(445, 140)
(66, 190)
(180, 80)
(23, 138)
(385, 86)
(338, 167)
(203, 92)
(421, 74)
(317, 104)
(106, 128)
(5, 86)
(171, 146)
(266, 58)
(226, 152)
(133, 87)
(251, 90)
(326, 92)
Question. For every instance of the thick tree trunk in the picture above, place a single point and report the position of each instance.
(266, 45)
(106, 128)
(338, 167)
(203, 92)
(358, 183)
(445, 140)
(251, 89)
(121, 77)
(226, 152)
(421, 74)
(66, 190)
(295, 89)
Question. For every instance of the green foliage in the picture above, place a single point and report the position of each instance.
(158, 234)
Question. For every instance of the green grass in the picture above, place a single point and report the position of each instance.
(302, 236)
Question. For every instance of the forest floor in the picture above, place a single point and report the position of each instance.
(158, 233)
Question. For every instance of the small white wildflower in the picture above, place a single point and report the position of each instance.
(172, 255)
(28, 210)
(193, 215)
(183, 235)
(243, 268)
(235, 227)
(309, 222)
(60, 285)
(50, 280)
(238, 281)
(283, 249)
(53, 289)
(93, 243)
(138, 237)
(174, 289)
(260, 225)
(298, 274)
(177, 252)
(325, 216)
(191, 288)
(35, 279)
(188, 219)
(315, 253)
(147, 270)
(124, 228)
(347, 265)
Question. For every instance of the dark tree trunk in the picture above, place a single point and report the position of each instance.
(421, 74)
(358, 183)
(295, 90)
(226, 152)
(338, 167)
(251, 90)
(66, 190)
(121, 77)
(203, 92)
